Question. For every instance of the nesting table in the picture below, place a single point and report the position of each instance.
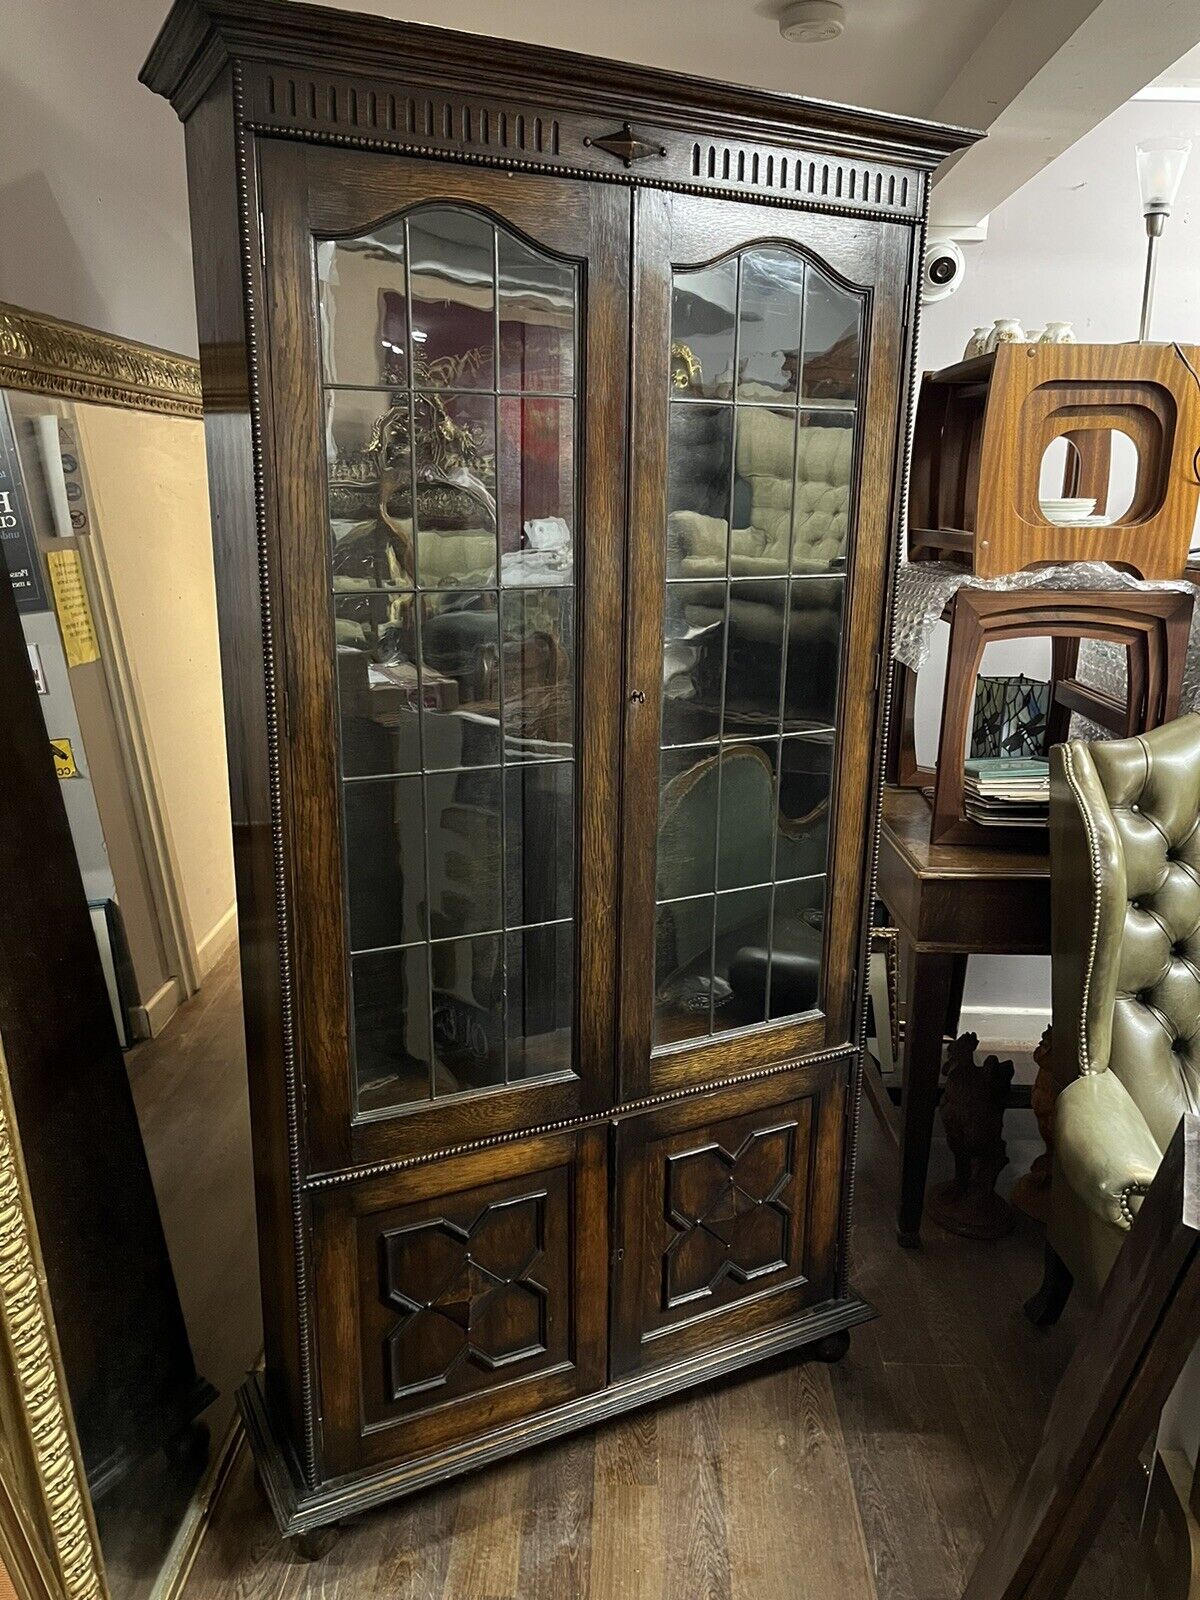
(948, 902)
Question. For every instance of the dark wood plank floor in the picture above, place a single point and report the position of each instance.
(876, 1479)
(189, 1086)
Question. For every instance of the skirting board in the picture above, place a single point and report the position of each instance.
(299, 1509)
(216, 941)
(148, 1021)
(1005, 1024)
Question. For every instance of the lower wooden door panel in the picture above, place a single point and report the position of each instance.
(460, 1296)
(726, 1215)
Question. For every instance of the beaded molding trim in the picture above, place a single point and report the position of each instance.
(282, 909)
(633, 179)
(380, 1169)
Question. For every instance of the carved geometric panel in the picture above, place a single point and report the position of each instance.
(729, 1210)
(725, 1216)
(464, 1291)
(465, 1294)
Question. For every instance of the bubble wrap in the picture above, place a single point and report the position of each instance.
(924, 588)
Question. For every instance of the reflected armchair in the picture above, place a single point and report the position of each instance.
(1125, 906)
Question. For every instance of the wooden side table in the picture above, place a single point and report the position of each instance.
(949, 902)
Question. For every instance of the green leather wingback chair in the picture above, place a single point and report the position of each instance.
(1125, 907)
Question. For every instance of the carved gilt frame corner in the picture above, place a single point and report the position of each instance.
(48, 1535)
(45, 355)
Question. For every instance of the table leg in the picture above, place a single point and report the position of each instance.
(931, 985)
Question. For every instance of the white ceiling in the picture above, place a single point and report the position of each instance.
(895, 55)
(92, 182)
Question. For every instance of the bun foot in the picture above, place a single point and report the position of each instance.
(316, 1543)
(831, 1348)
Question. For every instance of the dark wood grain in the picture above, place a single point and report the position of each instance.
(1110, 1395)
(306, 122)
(877, 1479)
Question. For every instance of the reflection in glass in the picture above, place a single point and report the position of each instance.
(796, 946)
(460, 678)
(377, 685)
(813, 653)
(770, 303)
(699, 462)
(687, 822)
(452, 274)
(757, 614)
(748, 805)
(391, 1025)
(538, 672)
(456, 701)
(821, 508)
(693, 662)
(467, 979)
(541, 988)
(462, 821)
(456, 488)
(683, 969)
(741, 940)
(702, 318)
(537, 490)
(758, 524)
(363, 290)
(537, 319)
(539, 866)
(802, 818)
(832, 340)
(370, 489)
(385, 861)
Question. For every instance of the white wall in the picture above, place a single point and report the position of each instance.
(1070, 245)
(148, 486)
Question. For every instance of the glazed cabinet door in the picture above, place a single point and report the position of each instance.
(765, 399)
(444, 375)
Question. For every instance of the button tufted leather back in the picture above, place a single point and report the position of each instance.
(1134, 806)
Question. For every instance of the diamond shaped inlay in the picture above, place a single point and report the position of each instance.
(465, 1293)
(728, 1213)
(628, 146)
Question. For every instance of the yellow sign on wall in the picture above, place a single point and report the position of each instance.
(64, 758)
(74, 613)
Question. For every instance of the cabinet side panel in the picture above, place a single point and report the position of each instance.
(213, 185)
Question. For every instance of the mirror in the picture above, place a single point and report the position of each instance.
(120, 1008)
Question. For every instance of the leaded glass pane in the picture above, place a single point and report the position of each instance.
(763, 398)
(449, 355)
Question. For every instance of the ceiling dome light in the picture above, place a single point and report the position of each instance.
(813, 21)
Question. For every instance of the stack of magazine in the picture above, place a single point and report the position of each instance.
(1007, 791)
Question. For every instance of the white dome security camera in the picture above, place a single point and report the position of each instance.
(943, 271)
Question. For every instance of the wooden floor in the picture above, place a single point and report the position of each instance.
(876, 1479)
(189, 1086)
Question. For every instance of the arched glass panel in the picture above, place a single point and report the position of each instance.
(765, 358)
(448, 350)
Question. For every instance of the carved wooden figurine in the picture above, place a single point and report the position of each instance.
(973, 1104)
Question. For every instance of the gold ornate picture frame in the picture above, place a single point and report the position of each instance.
(44, 355)
(48, 1536)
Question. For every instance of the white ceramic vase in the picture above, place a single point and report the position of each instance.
(1005, 330)
(1058, 333)
(976, 344)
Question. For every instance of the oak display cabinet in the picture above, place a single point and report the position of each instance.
(556, 414)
